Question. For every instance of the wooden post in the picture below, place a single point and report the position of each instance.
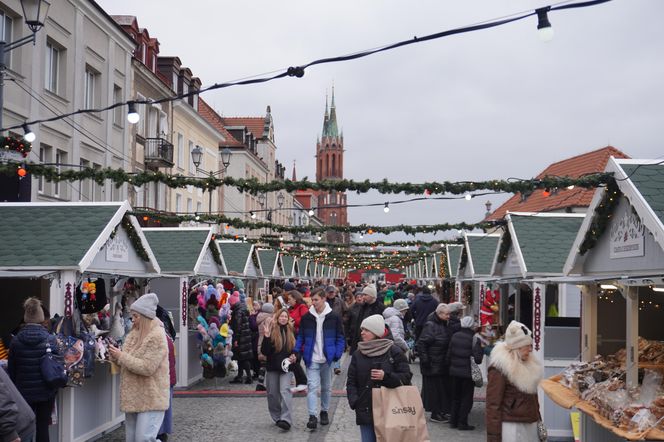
(588, 322)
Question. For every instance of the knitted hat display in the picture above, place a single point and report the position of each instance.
(146, 305)
(467, 322)
(234, 299)
(34, 314)
(400, 304)
(517, 335)
(223, 331)
(210, 292)
(375, 324)
(370, 290)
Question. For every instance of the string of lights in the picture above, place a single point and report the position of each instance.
(543, 27)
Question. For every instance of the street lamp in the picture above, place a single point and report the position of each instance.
(197, 159)
(280, 200)
(261, 199)
(34, 14)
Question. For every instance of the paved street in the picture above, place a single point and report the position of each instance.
(225, 417)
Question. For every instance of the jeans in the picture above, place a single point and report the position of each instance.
(143, 427)
(319, 376)
(367, 433)
(279, 396)
(167, 424)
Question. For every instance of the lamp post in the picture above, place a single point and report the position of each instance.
(197, 159)
(34, 14)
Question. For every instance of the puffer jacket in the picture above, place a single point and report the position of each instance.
(359, 383)
(333, 336)
(144, 371)
(432, 348)
(422, 307)
(511, 393)
(365, 311)
(297, 313)
(24, 364)
(394, 322)
(462, 347)
(242, 346)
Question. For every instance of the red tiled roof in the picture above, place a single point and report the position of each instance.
(254, 124)
(574, 167)
(209, 115)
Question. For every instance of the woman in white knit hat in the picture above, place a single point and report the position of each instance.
(512, 407)
(144, 376)
(378, 362)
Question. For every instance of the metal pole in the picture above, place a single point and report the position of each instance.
(2, 78)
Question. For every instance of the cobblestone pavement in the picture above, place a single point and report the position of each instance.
(231, 418)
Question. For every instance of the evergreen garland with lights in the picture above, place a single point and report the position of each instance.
(17, 145)
(505, 244)
(601, 217)
(215, 251)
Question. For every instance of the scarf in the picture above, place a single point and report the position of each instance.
(375, 347)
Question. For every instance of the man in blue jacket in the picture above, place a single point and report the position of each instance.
(320, 341)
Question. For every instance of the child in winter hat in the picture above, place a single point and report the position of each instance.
(146, 305)
(517, 335)
(34, 313)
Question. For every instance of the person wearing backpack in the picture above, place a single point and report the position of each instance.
(26, 352)
(378, 362)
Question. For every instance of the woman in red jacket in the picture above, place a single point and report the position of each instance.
(298, 309)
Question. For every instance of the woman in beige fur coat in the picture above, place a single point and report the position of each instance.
(512, 407)
(144, 377)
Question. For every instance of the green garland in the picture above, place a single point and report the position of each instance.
(601, 217)
(134, 238)
(272, 240)
(464, 259)
(505, 244)
(241, 224)
(254, 186)
(16, 144)
(215, 251)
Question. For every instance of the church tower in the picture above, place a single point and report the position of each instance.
(330, 166)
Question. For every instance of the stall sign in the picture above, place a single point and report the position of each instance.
(627, 237)
(117, 250)
(10, 155)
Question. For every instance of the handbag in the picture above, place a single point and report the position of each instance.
(398, 414)
(541, 431)
(476, 373)
(53, 370)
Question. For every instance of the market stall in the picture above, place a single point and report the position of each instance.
(529, 286)
(242, 261)
(75, 252)
(291, 268)
(474, 270)
(618, 260)
(184, 253)
(273, 268)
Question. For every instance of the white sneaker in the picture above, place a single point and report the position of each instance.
(298, 388)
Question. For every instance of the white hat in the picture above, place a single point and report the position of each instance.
(400, 304)
(467, 322)
(517, 335)
(146, 305)
(375, 324)
(370, 290)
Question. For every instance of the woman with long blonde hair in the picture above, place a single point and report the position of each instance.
(277, 346)
(144, 375)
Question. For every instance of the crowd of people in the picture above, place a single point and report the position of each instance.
(292, 342)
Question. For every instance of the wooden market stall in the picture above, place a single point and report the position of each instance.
(242, 261)
(273, 268)
(184, 253)
(62, 245)
(618, 260)
(474, 271)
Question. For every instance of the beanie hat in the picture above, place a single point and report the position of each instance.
(289, 286)
(234, 299)
(210, 292)
(467, 322)
(330, 289)
(517, 335)
(34, 314)
(267, 308)
(375, 324)
(455, 306)
(370, 290)
(146, 305)
(223, 331)
(401, 304)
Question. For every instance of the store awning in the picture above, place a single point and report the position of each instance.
(26, 274)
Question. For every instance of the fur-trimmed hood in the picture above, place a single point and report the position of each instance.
(525, 376)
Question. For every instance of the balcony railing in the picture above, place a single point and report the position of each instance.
(158, 153)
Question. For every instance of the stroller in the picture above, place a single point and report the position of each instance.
(410, 340)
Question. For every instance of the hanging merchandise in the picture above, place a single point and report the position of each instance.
(91, 296)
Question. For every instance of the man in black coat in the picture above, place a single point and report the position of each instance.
(242, 346)
(462, 347)
(422, 307)
(432, 350)
(370, 307)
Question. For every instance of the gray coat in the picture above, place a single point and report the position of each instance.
(16, 416)
(395, 323)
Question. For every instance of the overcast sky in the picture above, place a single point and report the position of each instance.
(490, 104)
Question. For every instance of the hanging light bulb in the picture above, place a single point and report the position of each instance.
(386, 209)
(319, 237)
(281, 238)
(468, 197)
(252, 215)
(28, 135)
(244, 238)
(132, 116)
(546, 193)
(544, 29)
(311, 212)
(361, 235)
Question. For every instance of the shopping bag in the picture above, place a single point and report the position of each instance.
(476, 373)
(398, 414)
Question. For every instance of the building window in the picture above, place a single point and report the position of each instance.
(199, 207)
(52, 67)
(60, 158)
(178, 203)
(118, 112)
(6, 33)
(140, 129)
(180, 151)
(190, 205)
(192, 167)
(84, 186)
(91, 85)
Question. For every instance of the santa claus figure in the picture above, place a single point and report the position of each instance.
(489, 308)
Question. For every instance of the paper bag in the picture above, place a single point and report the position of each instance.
(398, 414)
